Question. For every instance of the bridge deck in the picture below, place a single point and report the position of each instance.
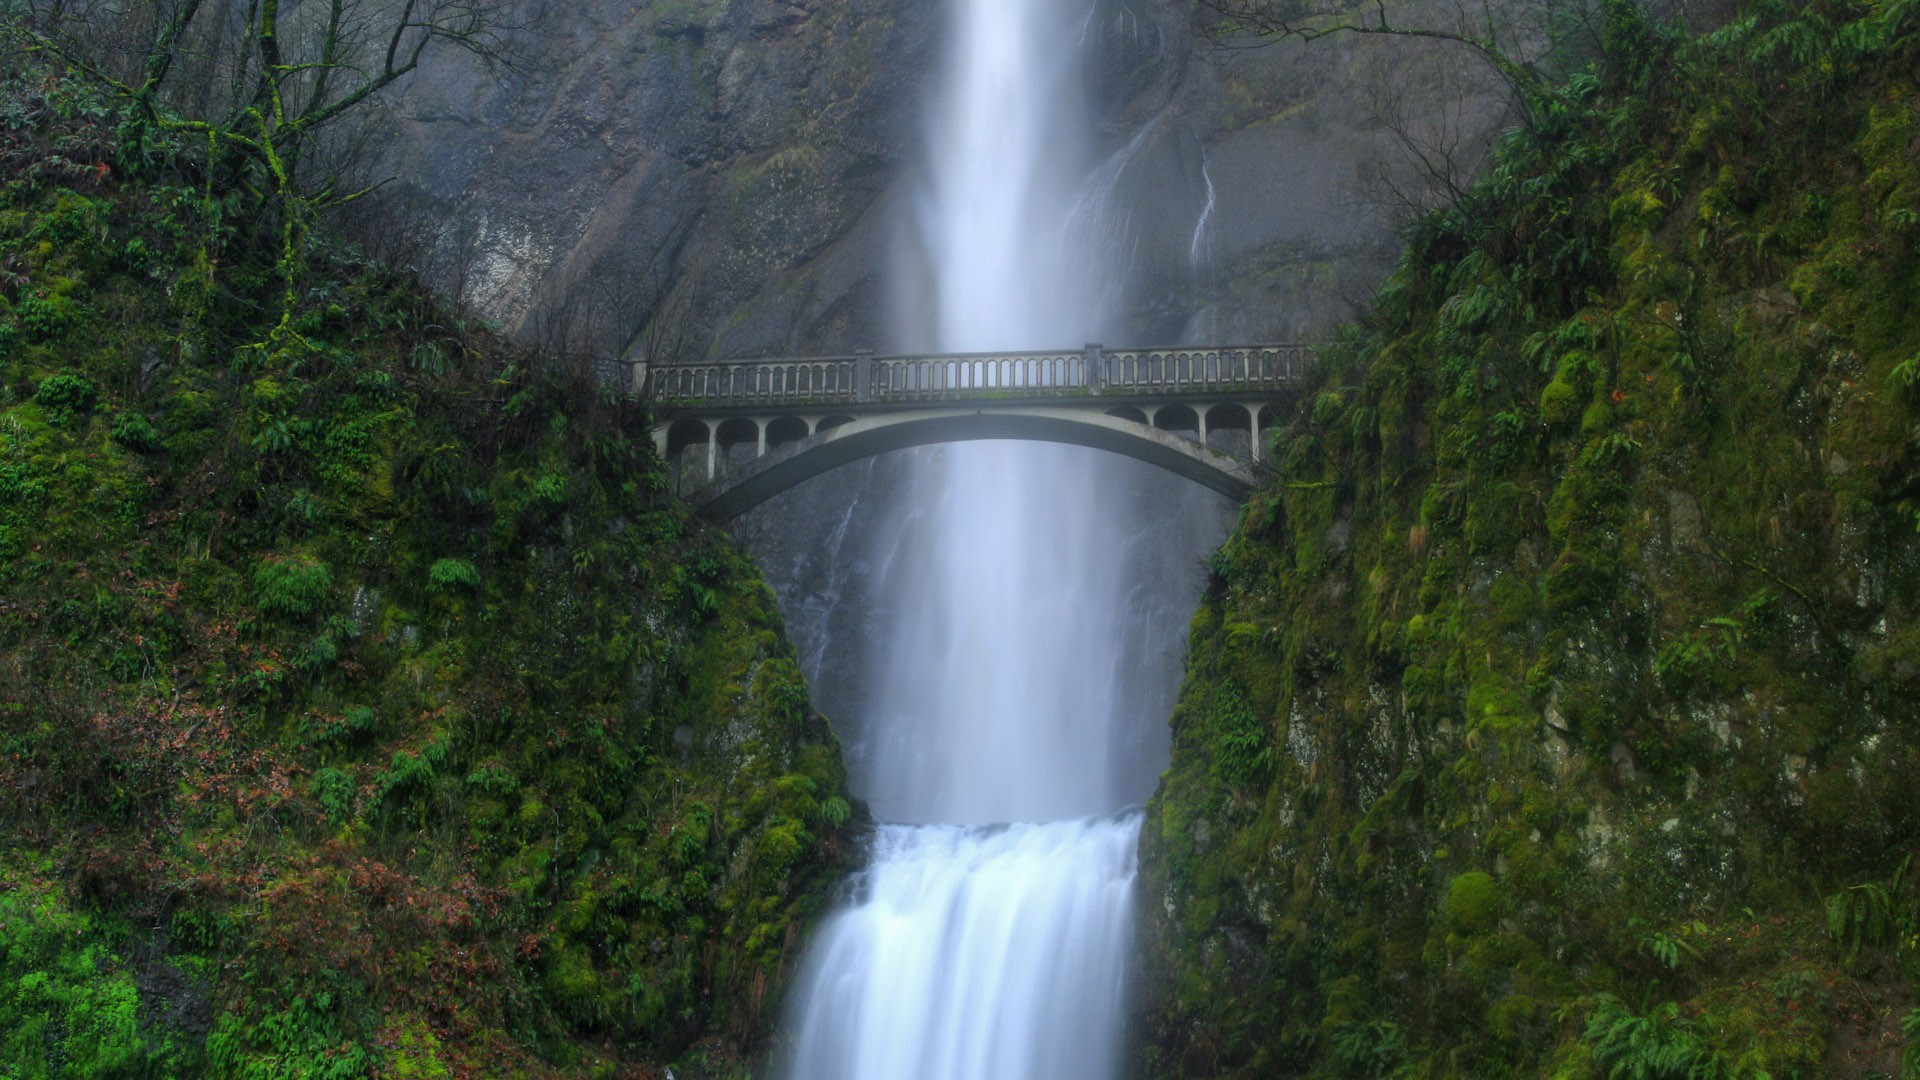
(864, 379)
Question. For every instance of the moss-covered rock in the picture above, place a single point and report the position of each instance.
(366, 704)
(1596, 737)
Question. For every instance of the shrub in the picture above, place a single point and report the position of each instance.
(45, 317)
(136, 433)
(66, 396)
(1327, 407)
(448, 575)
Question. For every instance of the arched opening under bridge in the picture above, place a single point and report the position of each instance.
(740, 487)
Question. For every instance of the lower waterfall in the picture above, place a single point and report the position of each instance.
(976, 951)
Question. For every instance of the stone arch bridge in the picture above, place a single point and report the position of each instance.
(737, 432)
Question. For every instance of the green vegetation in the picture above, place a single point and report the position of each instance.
(1555, 710)
(366, 705)
(71, 998)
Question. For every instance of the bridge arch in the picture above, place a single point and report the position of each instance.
(685, 434)
(1179, 418)
(747, 485)
(737, 441)
(782, 430)
(1229, 429)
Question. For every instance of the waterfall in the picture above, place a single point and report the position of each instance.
(1028, 606)
(977, 952)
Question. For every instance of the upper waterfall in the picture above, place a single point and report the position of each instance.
(1025, 608)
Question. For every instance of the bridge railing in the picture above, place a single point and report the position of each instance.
(946, 378)
(864, 378)
(828, 379)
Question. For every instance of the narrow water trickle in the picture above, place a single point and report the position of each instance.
(1028, 601)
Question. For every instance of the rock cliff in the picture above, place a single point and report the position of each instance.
(732, 177)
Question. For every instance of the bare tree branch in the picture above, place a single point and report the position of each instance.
(292, 68)
(1257, 23)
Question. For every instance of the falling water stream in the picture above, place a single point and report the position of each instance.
(1026, 628)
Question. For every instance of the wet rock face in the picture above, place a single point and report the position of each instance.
(1265, 181)
(727, 177)
(711, 162)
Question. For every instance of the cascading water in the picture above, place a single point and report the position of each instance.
(1022, 660)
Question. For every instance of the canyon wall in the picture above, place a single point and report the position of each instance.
(729, 178)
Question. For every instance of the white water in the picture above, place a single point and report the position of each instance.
(1027, 645)
(977, 953)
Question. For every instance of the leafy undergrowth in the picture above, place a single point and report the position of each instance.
(1555, 709)
(366, 705)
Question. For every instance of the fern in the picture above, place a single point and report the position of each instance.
(1905, 373)
(1507, 437)
(453, 575)
(1473, 309)
(1240, 743)
(1371, 1048)
(1881, 29)
(1806, 41)
(1469, 271)
(1609, 450)
(1658, 1046)
(834, 811)
(1672, 950)
(1862, 915)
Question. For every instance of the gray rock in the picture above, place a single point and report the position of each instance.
(727, 177)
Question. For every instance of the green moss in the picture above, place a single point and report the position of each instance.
(369, 671)
(1473, 904)
(1561, 402)
(1615, 677)
(69, 1004)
